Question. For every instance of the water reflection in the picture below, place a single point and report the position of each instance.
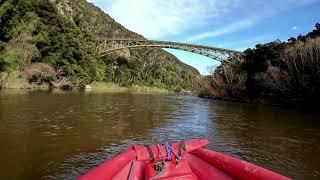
(59, 136)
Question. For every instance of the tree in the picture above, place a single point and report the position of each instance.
(292, 40)
(301, 38)
(317, 26)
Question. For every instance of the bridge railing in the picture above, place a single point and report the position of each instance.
(170, 42)
(220, 54)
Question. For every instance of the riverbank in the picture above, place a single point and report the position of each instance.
(278, 72)
(112, 87)
(19, 85)
(58, 54)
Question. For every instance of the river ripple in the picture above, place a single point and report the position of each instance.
(62, 135)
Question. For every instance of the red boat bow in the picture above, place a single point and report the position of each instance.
(193, 162)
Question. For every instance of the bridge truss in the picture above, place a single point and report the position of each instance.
(223, 55)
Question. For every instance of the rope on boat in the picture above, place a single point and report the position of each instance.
(131, 171)
(150, 152)
(160, 165)
(168, 151)
(182, 146)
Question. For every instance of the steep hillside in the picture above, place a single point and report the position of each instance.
(52, 42)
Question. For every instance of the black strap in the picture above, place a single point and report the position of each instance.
(182, 146)
(150, 152)
(131, 171)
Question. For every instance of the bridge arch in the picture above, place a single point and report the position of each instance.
(219, 54)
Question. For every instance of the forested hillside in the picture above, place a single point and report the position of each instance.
(52, 43)
(276, 72)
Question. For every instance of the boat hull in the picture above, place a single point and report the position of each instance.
(194, 162)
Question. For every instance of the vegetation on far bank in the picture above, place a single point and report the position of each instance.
(112, 87)
(51, 43)
(276, 72)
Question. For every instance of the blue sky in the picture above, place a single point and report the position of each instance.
(233, 24)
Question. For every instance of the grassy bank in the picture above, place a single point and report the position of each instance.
(17, 84)
(112, 87)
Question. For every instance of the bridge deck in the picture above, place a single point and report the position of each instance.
(219, 54)
(175, 43)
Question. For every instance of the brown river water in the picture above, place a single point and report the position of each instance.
(62, 135)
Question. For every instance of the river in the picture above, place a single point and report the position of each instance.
(47, 135)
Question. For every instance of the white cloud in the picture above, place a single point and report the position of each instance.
(233, 27)
(159, 18)
(260, 9)
(294, 28)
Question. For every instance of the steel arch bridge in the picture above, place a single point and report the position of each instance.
(219, 54)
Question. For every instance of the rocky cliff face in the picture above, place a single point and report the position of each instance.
(80, 26)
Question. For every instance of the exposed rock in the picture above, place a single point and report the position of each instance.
(88, 87)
